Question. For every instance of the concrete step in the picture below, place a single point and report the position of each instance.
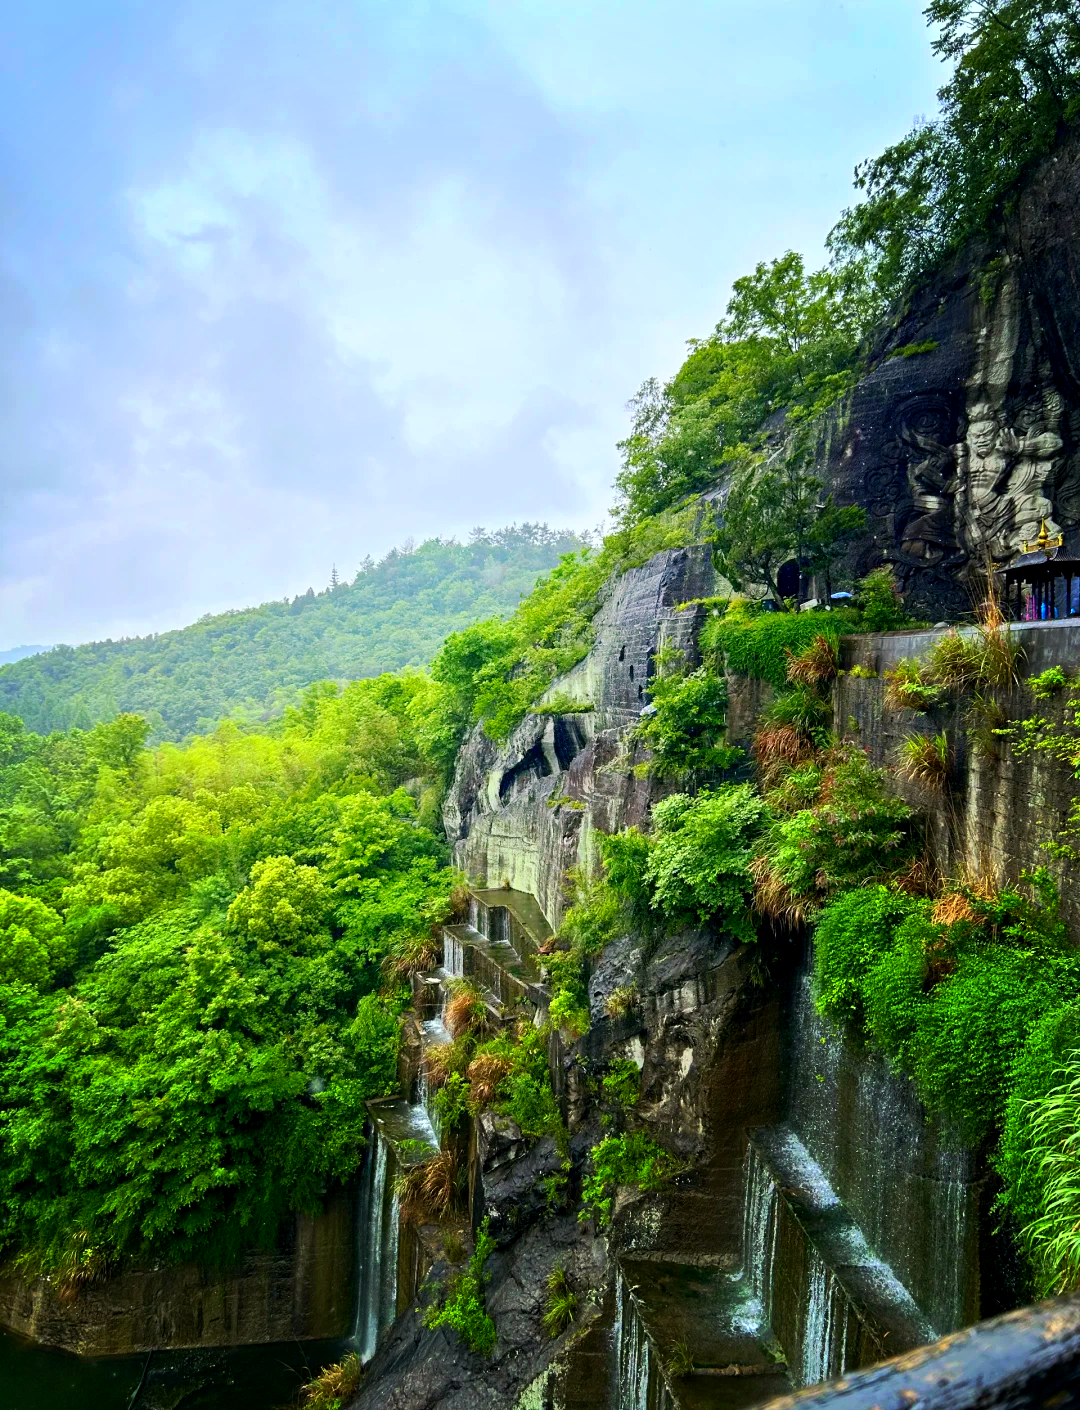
(692, 1336)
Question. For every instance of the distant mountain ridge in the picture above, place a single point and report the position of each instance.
(251, 662)
(17, 653)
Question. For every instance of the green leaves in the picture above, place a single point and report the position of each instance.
(699, 863)
(788, 343)
(686, 730)
(1015, 83)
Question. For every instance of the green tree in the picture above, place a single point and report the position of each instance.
(1015, 84)
(773, 514)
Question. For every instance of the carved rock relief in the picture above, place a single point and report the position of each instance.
(963, 479)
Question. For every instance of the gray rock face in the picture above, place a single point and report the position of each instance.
(524, 811)
(960, 450)
(418, 1369)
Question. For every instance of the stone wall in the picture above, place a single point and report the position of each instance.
(303, 1290)
(999, 808)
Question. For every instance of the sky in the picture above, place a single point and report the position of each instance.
(286, 283)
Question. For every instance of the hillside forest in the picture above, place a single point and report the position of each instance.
(221, 859)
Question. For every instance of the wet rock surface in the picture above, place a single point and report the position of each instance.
(418, 1369)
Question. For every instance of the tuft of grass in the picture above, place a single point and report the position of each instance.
(815, 665)
(951, 909)
(1052, 1239)
(333, 1386)
(680, 1361)
(774, 898)
(907, 688)
(779, 749)
(430, 1192)
(925, 761)
(466, 1012)
(984, 724)
(560, 1302)
(413, 956)
(621, 1001)
(485, 1073)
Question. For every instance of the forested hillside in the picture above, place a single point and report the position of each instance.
(250, 663)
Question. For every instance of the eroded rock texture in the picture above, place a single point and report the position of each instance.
(522, 812)
(965, 436)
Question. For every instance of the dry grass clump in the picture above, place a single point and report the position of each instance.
(773, 898)
(925, 760)
(778, 748)
(466, 1011)
(485, 1073)
(621, 1001)
(414, 956)
(438, 1062)
(917, 878)
(334, 1385)
(951, 909)
(814, 666)
(428, 1193)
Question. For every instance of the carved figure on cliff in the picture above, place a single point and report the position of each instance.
(984, 461)
(1032, 475)
(925, 438)
(929, 536)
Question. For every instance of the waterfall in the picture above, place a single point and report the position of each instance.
(453, 955)
(639, 1381)
(434, 1033)
(377, 1248)
(911, 1191)
(820, 1359)
(760, 1227)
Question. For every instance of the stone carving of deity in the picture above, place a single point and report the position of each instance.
(1032, 474)
(1003, 478)
(929, 536)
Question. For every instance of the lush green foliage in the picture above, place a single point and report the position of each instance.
(745, 641)
(191, 942)
(464, 1308)
(699, 860)
(250, 664)
(631, 1159)
(952, 1003)
(1016, 82)
(842, 827)
(684, 728)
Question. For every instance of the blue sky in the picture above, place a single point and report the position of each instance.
(282, 284)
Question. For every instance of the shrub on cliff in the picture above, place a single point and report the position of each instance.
(699, 861)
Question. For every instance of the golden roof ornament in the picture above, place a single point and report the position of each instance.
(1044, 542)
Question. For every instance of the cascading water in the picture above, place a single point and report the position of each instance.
(453, 955)
(793, 1244)
(911, 1192)
(434, 1034)
(760, 1226)
(377, 1251)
